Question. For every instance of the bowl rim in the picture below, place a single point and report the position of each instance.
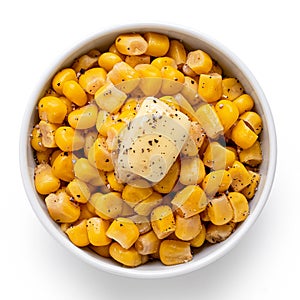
(168, 271)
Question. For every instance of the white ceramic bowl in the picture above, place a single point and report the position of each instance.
(231, 65)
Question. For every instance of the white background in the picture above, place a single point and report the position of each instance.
(265, 35)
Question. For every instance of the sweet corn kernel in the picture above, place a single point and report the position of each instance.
(96, 230)
(219, 210)
(162, 221)
(61, 208)
(242, 135)
(123, 231)
(240, 176)
(189, 201)
(239, 204)
(210, 87)
(77, 233)
(173, 252)
(158, 44)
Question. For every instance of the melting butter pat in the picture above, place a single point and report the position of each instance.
(151, 142)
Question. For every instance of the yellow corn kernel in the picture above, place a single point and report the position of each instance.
(253, 120)
(110, 98)
(164, 61)
(123, 231)
(61, 77)
(133, 60)
(166, 185)
(244, 103)
(210, 87)
(86, 61)
(199, 61)
(142, 223)
(90, 138)
(189, 201)
(63, 166)
(190, 90)
(61, 208)
(216, 68)
(172, 252)
(219, 210)
(173, 80)
(113, 49)
(204, 216)
(158, 44)
(85, 213)
(197, 135)
(104, 121)
(83, 117)
(44, 179)
(130, 104)
(250, 189)
(162, 221)
(188, 71)
(78, 190)
(218, 157)
(69, 139)
(151, 79)
(36, 139)
(52, 109)
(133, 195)
(108, 59)
(240, 176)
(239, 204)
(199, 239)
(113, 182)
(145, 207)
(96, 230)
(99, 156)
(77, 233)
(187, 228)
(114, 130)
(101, 250)
(209, 120)
(131, 44)
(177, 52)
(126, 210)
(107, 206)
(147, 243)
(74, 92)
(216, 181)
(124, 117)
(127, 257)
(232, 88)
(48, 133)
(92, 80)
(54, 154)
(68, 103)
(227, 112)
(251, 156)
(219, 233)
(86, 172)
(186, 107)
(192, 170)
(124, 77)
(171, 101)
(44, 156)
(64, 226)
(242, 135)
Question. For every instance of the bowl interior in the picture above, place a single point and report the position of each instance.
(232, 66)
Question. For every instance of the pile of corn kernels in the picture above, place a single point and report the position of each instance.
(203, 195)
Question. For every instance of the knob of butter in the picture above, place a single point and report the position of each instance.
(151, 142)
